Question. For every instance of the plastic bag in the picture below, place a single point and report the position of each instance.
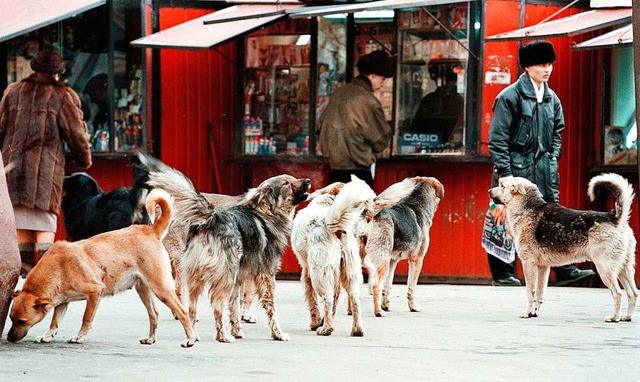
(497, 239)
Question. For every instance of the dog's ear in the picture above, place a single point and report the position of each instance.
(521, 188)
(43, 304)
(265, 197)
(15, 294)
(437, 186)
(517, 188)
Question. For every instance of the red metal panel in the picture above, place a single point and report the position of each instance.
(198, 90)
(455, 250)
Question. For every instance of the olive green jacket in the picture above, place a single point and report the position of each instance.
(352, 128)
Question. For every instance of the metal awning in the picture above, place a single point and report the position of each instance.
(194, 34)
(569, 26)
(20, 17)
(370, 6)
(615, 39)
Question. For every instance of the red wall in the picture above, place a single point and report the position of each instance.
(197, 91)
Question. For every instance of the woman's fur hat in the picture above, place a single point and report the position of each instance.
(47, 61)
(536, 53)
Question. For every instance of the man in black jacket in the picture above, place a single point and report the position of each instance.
(524, 141)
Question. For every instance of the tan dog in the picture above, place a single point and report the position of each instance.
(103, 265)
(547, 234)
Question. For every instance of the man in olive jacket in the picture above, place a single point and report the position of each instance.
(352, 129)
(37, 116)
(525, 141)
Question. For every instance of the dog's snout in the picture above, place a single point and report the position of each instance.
(13, 337)
(307, 183)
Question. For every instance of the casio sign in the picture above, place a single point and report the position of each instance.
(427, 138)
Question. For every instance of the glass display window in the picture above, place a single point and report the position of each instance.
(100, 66)
(332, 61)
(276, 90)
(620, 131)
(431, 91)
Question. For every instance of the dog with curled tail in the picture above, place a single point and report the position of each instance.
(547, 234)
(103, 265)
(324, 241)
(225, 248)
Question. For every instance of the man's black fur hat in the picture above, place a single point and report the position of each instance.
(377, 62)
(536, 53)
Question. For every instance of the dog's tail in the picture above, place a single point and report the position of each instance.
(621, 190)
(348, 205)
(189, 204)
(161, 198)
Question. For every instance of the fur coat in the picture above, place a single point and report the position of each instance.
(37, 116)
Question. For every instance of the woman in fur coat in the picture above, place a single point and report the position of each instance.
(37, 116)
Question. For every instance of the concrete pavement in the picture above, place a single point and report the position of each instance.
(464, 333)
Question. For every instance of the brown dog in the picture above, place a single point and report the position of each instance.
(102, 265)
(547, 234)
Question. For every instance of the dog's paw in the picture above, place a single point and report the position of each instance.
(626, 318)
(43, 340)
(76, 340)
(224, 338)
(415, 307)
(187, 343)
(357, 332)
(249, 318)
(148, 340)
(47, 337)
(379, 313)
(612, 319)
(282, 337)
(237, 334)
(324, 331)
(316, 323)
(528, 314)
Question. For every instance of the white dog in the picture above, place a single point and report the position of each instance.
(325, 244)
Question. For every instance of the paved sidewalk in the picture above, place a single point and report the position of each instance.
(465, 333)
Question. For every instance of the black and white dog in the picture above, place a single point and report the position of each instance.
(89, 211)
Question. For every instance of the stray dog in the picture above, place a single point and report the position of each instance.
(401, 231)
(324, 242)
(176, 241)
(229, 246)
(547, 234)
(103, 265)
(88, 211)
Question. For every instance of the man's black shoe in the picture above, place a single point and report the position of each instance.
(574, 276)
(507, 281)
